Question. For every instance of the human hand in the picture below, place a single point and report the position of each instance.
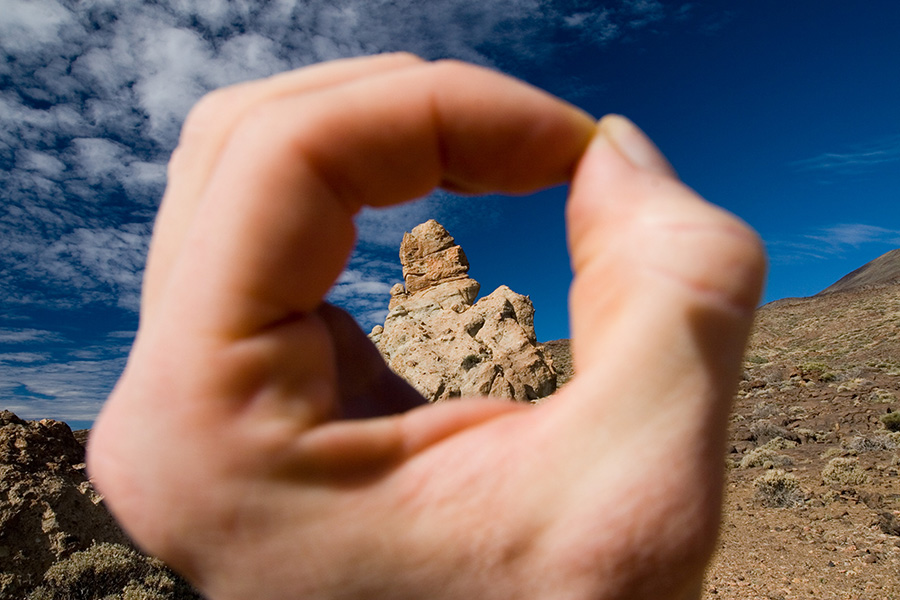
(232, 445)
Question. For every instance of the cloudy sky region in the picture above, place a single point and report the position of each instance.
(784, 113)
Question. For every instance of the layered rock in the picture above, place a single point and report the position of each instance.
(447, 345)
(55, 532)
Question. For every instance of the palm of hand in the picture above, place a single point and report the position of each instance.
(259, 444)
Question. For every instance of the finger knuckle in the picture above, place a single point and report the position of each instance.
(207, 115)
(719, 258)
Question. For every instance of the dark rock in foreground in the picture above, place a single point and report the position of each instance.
(57, 539)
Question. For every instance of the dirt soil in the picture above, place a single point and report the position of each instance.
(820, 374)
(812, 507)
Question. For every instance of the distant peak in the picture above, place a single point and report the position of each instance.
(884, 270)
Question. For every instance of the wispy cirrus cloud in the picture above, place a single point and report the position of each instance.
(92, 99)
(100, 89)
(20, 335)
(830, 242)
(855, 235)
(63, 388)
(640, 13)
(63, 379)
(862, 158)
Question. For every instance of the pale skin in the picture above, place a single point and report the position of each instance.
(227, 447)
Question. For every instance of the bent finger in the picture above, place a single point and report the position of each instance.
(206, 132)
(367, 386)
(275, 224)
(664, 294)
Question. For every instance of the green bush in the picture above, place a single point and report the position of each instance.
(817, 371)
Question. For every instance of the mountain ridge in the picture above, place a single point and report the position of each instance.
(884, 270)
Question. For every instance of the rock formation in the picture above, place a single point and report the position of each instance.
(57, 539)
(447, 345)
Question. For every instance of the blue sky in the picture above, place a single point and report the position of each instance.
(786, 113)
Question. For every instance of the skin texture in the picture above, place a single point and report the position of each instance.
(257, 442)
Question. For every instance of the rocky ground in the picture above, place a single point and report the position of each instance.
(57, 541)
(822, 375)
(813, 492)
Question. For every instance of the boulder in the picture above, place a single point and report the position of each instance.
(446, 344)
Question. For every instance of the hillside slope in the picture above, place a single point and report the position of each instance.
(884, 270)
(820, 374)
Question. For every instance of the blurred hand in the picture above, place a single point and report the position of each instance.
(258, 443)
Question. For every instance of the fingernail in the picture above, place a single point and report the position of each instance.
(633, 144)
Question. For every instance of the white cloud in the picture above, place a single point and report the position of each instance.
(101, 260)
(24, 357)
(830, 242)
(353, 284)
(862, 158)
(363, 295)
(174, 69)
(18, 336)
(856, 234)
(641, 13)
(121, 334)
(93, 265)
(384, 227)
(98, 156)
(600, 25)
(65, 389)
(26, 23)
(44, 163)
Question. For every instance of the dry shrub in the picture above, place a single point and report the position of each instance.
(111, 572)
(891, 421)
(765, 410)
(764, 457)
(880, 396)
(766, 431)
(881, 441)
(780, 443)
(778, 489)
(844, 471)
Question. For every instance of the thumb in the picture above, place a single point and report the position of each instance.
(665, 284)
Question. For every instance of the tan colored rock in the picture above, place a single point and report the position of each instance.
(49, 509)
(430, 256)
(447, 345)
(57, 540)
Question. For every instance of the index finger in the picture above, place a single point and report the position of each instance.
(204, 135)
(274, 226)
